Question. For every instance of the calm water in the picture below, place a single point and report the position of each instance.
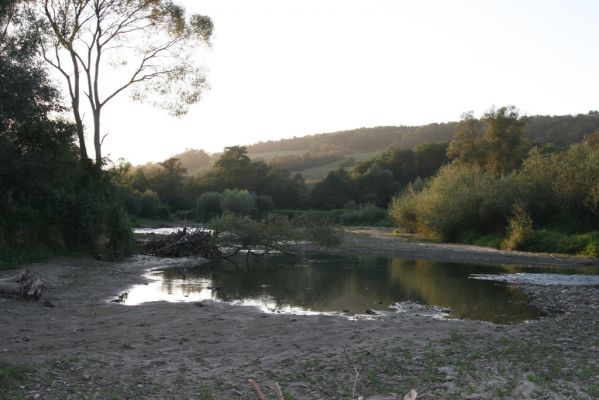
(337, 284)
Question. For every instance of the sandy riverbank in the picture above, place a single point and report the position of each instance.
(88, 348)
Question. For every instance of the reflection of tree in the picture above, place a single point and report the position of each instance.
(447, 285)
(356, 284)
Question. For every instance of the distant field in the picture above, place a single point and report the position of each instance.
(267, 156)
(316, 174)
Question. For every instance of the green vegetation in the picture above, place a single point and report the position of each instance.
(272, 233)
(51, 200)
(492, 191)
(11, 376)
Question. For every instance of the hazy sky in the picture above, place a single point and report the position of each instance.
(290, 68)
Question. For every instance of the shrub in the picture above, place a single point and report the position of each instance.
(459, 199)
(520, 230)
(239, 202)
(208, 205)
(365, 214)
(238, 232)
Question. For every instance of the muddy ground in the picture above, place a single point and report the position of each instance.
(80, 346)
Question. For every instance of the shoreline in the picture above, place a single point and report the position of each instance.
(85, 347)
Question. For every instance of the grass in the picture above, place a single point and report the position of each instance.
(269, 155)
(494, 365)
(543, 241)
(11, 376)
(316, 174)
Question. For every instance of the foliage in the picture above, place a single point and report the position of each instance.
(318, 229)
(48, 198)
(156, 44)
(208, 206)
(458, 199)
(239, 202)
(519, 229)
(237, 232)
(561, 130)
(367, 214)
(555, 191)
(496, 142)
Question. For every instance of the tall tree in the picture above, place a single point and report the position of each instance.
(468, 145)
(150, 42)
(496, 141)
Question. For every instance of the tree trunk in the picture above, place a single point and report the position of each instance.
(24, 284)
(97, 141)
(80, 134)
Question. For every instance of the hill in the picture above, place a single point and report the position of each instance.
(316, 155)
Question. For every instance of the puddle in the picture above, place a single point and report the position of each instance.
(324, 284)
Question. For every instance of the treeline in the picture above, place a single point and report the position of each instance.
(307, 160)
(562, 131)
(258, 187)
(167, 188)
(362, 140)
(501, 190)
(50, 199)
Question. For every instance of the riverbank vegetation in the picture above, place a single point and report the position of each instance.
(500, 180)
(501, 191)
(51, 200)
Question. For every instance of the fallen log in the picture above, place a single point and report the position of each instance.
(24, 284)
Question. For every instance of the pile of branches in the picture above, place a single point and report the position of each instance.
(183, 243)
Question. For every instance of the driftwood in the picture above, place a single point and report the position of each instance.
(183, 243)
(24, 284)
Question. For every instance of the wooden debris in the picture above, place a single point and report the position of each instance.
(183, 243)
(257, 389)
(276, 389)
(24, 284)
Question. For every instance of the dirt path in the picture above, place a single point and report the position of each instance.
(87, 348)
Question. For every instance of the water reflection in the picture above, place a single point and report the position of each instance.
(337, 284)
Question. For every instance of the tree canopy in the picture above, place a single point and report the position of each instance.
(150, 45)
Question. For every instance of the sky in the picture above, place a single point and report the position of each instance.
(289, 68)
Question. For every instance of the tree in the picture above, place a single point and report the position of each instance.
(505, 135)
(468, 145)
(496, 141)
(151, 42)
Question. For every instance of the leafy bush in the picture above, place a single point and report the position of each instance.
(238, 232)
(239, 202)
(520, 230)
(208, 205)
(459, 199)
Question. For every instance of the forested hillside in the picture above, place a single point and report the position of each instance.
(562, 130)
